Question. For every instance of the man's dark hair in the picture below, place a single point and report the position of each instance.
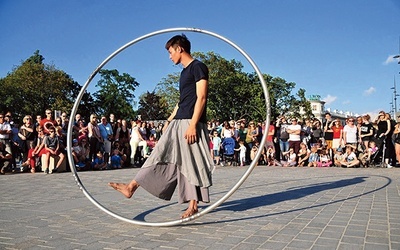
(179, 40)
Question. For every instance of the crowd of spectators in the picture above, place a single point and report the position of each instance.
(101, 143)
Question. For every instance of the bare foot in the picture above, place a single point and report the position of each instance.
(189, 212)
(126, 189)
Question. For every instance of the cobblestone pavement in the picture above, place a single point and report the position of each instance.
(275, 208)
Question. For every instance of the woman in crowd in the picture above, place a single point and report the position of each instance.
(365, 130)
(94, 137)
(27, 136)
(337, 130)
(384, 134)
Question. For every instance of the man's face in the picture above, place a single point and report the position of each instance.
(104, 120)
(175, 54)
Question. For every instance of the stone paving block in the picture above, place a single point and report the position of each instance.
(273, 245)
(300, 244)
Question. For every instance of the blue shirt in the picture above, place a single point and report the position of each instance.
(105, 130)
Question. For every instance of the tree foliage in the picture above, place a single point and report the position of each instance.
(35, 86)
(151, 107)
(115, 94)
(234, 94)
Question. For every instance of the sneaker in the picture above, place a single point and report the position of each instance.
(46, 171)
(389, 166)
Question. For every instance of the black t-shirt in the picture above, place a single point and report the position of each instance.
(190, 75)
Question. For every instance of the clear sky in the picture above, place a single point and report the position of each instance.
(341, 50)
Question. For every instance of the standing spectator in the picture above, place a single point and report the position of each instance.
(94, 137)
(5, 158)
(216, 147)
(282, 135)
(337, 131)
(135, 141)
(317, 136)
(270, 136)
(64, 123)
(384, 133)
(106, 133)
(5, 133)
(366, 130)
(328, 136)
(294, 131)
(27, 136)
(48, 122)
(350, 133)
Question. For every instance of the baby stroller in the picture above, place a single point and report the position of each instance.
(228, 146)
(377, 158)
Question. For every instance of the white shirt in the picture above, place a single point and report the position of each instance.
(351, 134)
(5, 126)
(293, 137)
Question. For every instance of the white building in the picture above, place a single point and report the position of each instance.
(318, 109)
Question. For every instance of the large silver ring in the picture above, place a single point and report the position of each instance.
(223, 198)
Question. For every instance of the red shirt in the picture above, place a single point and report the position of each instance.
(337, 131)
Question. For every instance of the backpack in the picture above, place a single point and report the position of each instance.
(284, 135)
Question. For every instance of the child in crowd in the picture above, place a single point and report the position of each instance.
(242, 153)
(314, 156)
(52, 146)
(99, 163)
(253, 153)
(116, 160)
(338, 157)
(350, 158)
(216, 147)
(270, 156)
(303, 155)
(291, 158)
(365, 157)
(324, 158)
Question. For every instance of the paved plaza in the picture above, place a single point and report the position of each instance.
(275, 208)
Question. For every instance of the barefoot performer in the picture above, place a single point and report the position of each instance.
(181, 157)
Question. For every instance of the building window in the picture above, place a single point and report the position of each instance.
(314, 107)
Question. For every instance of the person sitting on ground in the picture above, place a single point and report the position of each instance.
(324, 158)
(338, 157)
(291, 158)
(303, 155)
(350, 158)
(313, 159)
(116, 160)
(99, 163)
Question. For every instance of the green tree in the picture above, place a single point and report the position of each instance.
(35, 86)
(115, 94)
(168, 91)
(151, 107)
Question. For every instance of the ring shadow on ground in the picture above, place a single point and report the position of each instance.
(290, 194)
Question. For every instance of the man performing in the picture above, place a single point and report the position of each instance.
(181, 157)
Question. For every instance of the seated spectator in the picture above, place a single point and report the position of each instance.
(35, 154)
(98, 162)
(116, 160)
(303, 155)
(52, 146)
(324, 158)
(79, 154)
(313, 159)
(338, 157)
(270, 156)
(291, 158)
(350, 158)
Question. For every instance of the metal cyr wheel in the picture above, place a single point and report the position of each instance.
(210, 207)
